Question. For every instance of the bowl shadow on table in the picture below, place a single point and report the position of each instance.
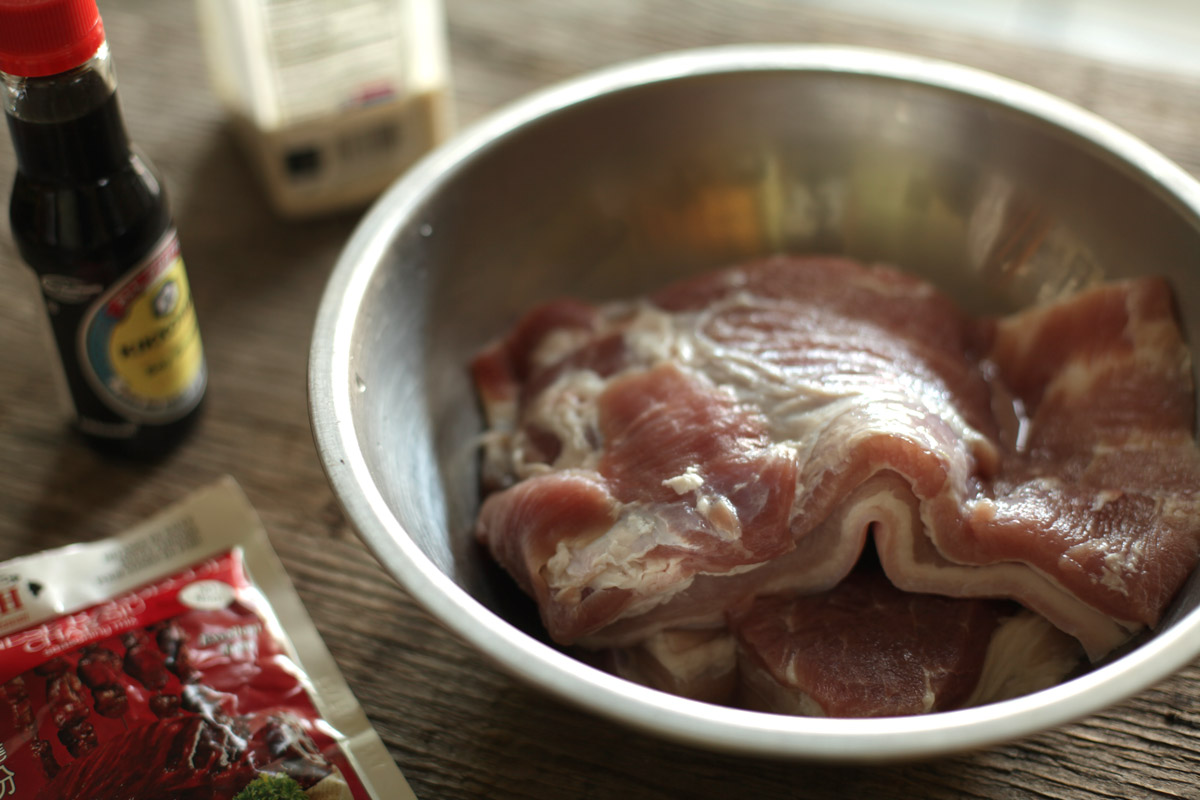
(584, 756)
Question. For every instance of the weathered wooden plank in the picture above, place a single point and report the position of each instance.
(458, 727)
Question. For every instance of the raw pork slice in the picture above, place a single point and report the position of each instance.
(862, 649)
(866, 649)
(654, 465)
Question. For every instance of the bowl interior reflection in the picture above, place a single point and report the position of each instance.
(998, 194)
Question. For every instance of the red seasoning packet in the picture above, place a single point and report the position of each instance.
(176, 661)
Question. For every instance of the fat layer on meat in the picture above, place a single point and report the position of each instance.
(655, 465)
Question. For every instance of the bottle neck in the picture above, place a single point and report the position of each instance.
(67, 127)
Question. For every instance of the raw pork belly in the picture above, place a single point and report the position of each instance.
(693, 466)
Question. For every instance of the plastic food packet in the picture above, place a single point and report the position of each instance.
(176, 661)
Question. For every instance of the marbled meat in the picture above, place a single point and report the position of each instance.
(656, 465)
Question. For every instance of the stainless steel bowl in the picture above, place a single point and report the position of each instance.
(615, 183)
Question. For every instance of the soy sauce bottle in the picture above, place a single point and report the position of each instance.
(90, 218)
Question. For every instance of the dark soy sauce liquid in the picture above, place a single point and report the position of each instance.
(87, 208)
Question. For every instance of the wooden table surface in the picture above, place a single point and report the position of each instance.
(457, 727)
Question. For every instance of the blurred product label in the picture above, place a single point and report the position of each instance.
(332, 99)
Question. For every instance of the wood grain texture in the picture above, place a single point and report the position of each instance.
(457, 727)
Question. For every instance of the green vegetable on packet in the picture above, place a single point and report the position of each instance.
(271, 787)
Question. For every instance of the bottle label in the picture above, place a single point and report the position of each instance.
(140, 341)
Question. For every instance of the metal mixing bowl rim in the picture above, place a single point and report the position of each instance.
(703, 725)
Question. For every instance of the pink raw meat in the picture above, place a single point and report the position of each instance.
(663, 463)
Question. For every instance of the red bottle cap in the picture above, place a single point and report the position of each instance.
(46, 37)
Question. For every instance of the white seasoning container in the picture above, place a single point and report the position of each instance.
(332, 99)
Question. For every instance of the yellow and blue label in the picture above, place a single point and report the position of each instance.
(140, 341)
